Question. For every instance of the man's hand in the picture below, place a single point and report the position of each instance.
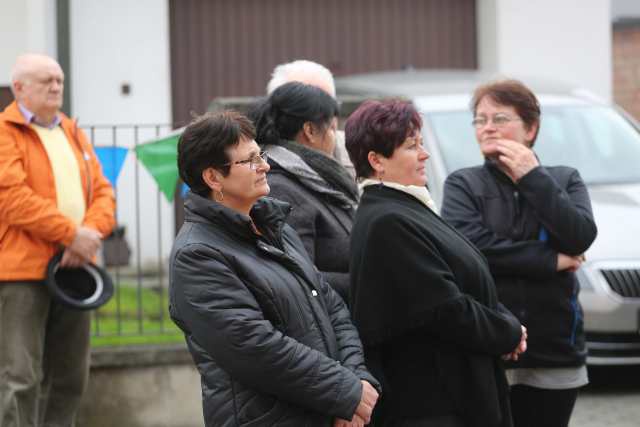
(367, 402)
(71, 260)
(568, 262)
(86, 243)
(517, 159)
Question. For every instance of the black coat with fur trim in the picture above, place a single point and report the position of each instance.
(273, 343)
(425, 305)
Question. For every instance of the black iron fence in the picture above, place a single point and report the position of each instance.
(136, 253)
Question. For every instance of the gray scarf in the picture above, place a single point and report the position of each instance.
(316, 171)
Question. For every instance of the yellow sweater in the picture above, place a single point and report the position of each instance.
(66, 172)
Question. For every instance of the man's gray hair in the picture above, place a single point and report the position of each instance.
(301, 70)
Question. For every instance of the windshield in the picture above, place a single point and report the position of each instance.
(599, 142)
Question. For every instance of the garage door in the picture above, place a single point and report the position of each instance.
(229, 47)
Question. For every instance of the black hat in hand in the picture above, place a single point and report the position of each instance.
(83, 288)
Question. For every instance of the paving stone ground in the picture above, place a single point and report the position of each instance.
(611, 400)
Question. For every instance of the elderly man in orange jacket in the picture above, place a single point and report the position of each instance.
(53, 197)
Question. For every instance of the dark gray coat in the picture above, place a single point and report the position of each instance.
(323, 224)
(273, 343)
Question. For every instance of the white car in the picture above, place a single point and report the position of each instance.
(577, 130)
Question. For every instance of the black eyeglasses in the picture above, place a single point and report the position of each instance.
(253, 161)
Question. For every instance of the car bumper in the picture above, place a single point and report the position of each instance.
(611, 318)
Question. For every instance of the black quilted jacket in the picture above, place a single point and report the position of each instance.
(520, 228)
(273, 343)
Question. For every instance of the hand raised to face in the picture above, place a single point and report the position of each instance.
(516, 159)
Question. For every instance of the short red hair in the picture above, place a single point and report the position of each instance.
(378, 126)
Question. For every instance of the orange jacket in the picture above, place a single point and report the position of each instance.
(31, 227)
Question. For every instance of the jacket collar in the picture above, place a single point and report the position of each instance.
(493, 168)
(267, 214)
(420, 192)
(30, 117)
(297, 167)
(13, 115)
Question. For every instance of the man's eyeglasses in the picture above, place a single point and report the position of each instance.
(253, 161)
(498, 120)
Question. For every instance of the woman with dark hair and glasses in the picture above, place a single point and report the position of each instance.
(533, 223)
(296, 126)
(422, 296)
(273, 343)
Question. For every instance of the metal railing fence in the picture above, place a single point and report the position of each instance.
(136, 254)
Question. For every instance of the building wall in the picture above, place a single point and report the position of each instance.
(229, 47)
(626, 67)
(13, 26)
(116, 43)
(142, 386)
(25, 26)
(567, 41)
(120, 42)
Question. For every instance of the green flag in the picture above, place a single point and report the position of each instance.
(160, 157)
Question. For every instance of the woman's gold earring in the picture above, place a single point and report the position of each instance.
(216, 198)
(380, 175)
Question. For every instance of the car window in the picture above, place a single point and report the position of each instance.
(596, 140)
(456, 139)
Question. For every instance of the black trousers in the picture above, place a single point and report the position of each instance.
(438, 421)
(536, 407)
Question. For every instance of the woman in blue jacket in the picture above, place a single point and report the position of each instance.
(533, 223)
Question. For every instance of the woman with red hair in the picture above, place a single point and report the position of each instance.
(422, 296)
